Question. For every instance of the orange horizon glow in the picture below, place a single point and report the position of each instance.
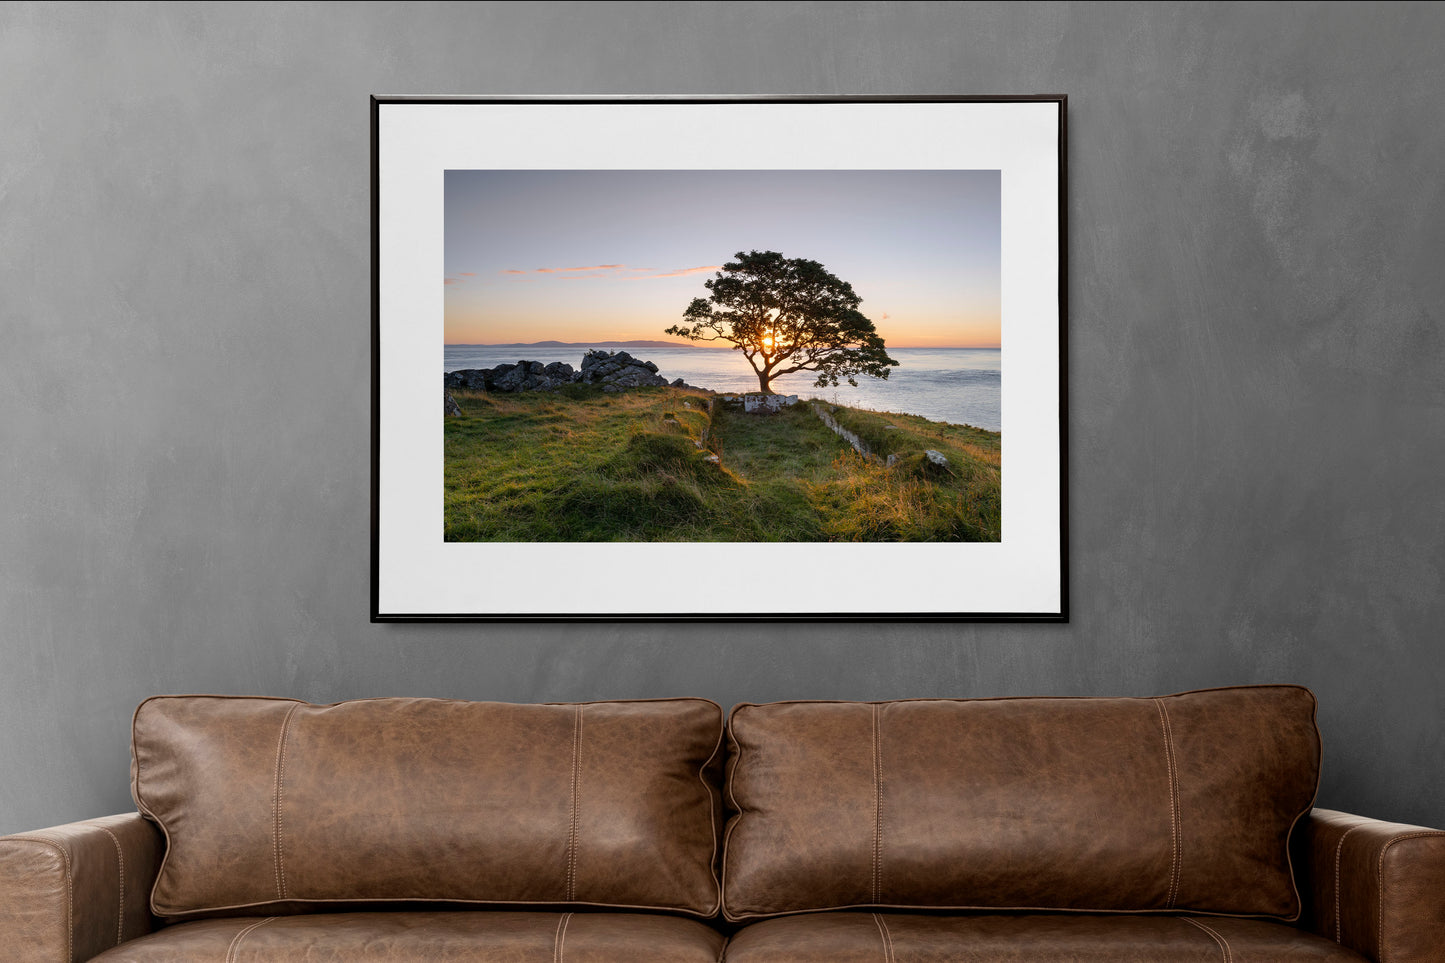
(683, 343)
(532, 337)
(958, 334)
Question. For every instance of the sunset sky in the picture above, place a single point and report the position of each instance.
(588, 256)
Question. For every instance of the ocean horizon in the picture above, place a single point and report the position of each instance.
(960, 386)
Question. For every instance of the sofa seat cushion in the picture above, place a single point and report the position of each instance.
(428, 937)
(856, 937)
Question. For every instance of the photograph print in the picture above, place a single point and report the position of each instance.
(722, 356)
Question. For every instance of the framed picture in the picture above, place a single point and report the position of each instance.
(719, 358)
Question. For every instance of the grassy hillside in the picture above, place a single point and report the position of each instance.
(583, 465)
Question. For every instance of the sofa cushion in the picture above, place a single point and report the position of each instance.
(1177, 803)
(852, 937)
(428, 937)
(275, 801)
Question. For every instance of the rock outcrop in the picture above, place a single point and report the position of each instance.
(618, 371)
(522, 376)
(452, 408)
(612, 370)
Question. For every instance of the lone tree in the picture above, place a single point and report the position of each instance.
(787, 315)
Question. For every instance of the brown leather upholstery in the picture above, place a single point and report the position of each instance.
(275, 801)
(1377, 887)
(69, 892)
(495, 936)
(1177, 803)
(854, 937)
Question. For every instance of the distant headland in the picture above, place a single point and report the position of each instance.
(583, 344)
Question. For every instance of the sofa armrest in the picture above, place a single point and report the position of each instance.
(1375, 887)
(71, 892)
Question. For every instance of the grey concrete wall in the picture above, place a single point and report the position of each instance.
(1257, 373)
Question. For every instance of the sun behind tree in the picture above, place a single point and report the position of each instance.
(787, 315)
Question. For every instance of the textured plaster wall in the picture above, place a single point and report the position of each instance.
(1257, 369)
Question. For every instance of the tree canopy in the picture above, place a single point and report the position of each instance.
(787, 315)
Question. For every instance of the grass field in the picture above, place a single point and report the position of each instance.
(581, 465)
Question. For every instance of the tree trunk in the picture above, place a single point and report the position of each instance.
(763, 379)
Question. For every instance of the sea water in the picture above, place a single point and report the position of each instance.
(956, 385)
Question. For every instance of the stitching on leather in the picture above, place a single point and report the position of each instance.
(719, 860)
(280, 776)
(120, 861)
(889, 954)
(1223, 943)
(1174, 768)
(886, 937)
(1173, 816)
(1176, 835)
(1339, 850)
(233, 952)
(559, 940)
(877, 810)
(572, 833)
(69, 890)
(1380, 876)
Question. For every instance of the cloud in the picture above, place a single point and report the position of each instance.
(684, 272)
(591, 270)
(622, 271)
(467, 274)
(452, 281)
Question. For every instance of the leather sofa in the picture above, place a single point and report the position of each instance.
(1177, 828)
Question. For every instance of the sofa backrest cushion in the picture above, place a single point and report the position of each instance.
(283, 804)
(1184, 802)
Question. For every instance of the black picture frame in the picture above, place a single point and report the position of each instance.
(414, 573)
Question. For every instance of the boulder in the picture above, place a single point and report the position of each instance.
(522, 376)
(452, 408)
(617, 371)
(927, 462)
(472, 379)
(515, 379)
